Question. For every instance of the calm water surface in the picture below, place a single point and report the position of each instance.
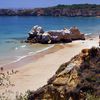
(14, 29)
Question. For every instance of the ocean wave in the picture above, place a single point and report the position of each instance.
(16, 48)
(96, 33)
(44, 49)
(30, 53)
(88, 34)
(33, 53)
(19, 58)
(23, 46)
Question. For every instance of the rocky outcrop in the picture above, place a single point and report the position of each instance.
(38, 35)
(60, 10)
(76, 34)
(78, 79)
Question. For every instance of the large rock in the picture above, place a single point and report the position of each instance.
(37, 35)
(60, 35)
(76, 34)
(46, 38)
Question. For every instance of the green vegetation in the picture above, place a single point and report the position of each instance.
(92, 97)
(79, 6)
(93, 52)
(59, 10)
(23, 97)
(91, 79)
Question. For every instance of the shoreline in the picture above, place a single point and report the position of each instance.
(33, 75)
(29, 58)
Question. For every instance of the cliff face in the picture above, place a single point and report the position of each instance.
(67, 11)
(60, 10)
(78, 79)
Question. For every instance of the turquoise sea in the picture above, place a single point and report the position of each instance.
(13, 29)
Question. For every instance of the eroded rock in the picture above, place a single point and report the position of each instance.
(38, 35)
(73, 80)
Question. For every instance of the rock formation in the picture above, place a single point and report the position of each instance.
(78, 79)
(37, 35)
(59, 10)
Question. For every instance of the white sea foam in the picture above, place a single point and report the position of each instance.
(88, 33)
(30, 53)
(16, 48)
(18, 58)
(33, 53)
(44, 49)
(23, 46)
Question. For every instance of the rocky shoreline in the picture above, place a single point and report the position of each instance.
(38, 35)
(85, 10)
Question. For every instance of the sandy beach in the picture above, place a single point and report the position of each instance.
(32, 76)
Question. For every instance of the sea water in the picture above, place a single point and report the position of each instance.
(13, 29)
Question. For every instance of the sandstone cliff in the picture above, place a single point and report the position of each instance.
(60, 10)
(78, 79)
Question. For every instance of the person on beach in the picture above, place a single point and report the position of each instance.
(99, 40)
(1, 68)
